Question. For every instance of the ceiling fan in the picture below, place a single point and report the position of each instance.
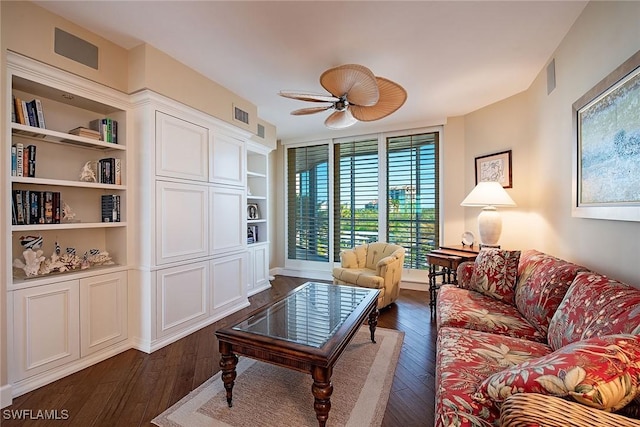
(356, 94)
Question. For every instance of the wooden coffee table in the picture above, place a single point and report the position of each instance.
(306, 330)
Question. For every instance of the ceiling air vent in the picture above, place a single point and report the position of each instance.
(240, 115)
(260, 131)
(75, 48)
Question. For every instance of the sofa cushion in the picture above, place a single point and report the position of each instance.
(601, 372)
(494, 274)
(464, 359)
(543, 281)
(594, 306)
(463, 308)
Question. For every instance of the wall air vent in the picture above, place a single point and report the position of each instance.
(75, 48)
(260, 131)
(240, 115)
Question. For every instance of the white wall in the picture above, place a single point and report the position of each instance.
(538, 128)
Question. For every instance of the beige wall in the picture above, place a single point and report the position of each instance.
(538, 128)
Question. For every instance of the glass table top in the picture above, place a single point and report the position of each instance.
(309, 316)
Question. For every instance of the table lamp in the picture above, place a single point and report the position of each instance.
(489, 194)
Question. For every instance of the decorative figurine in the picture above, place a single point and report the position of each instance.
(88, 174)
(68, 215)
(31, 242)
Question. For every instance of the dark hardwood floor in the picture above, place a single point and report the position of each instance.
(132, 388)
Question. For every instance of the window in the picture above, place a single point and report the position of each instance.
(355, 169)
(308, 203)
(412, 196)
(381, 188)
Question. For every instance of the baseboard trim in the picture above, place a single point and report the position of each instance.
(6, 397)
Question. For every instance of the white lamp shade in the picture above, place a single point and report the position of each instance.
(488, 193)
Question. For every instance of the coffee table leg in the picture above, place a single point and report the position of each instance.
(322, 389)
(228, 363)
(373, 322)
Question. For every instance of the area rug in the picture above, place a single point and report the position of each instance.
(268, 395)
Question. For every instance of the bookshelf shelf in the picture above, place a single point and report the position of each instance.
(65, 183)
(56, 137)
(68, 226)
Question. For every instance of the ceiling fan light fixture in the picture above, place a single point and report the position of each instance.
(356, 95)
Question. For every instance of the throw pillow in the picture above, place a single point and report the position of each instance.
(494, 274)
(602, 372)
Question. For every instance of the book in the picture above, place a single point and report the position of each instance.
(14, 159)
(39, 113)
(31, 161)
(111, 208)
(56, 207)
(19, 111)
(14, 119)
(25, 113)
(31, 111)
(85, 132)
(48, 207)
(108, 129)
(19, 159)
(118, 172)
(17, 198)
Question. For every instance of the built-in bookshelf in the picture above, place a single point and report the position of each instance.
(58, 174)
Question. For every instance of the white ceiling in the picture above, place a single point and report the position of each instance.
(452, 57)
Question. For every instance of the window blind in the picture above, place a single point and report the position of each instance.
(308, 198)
(355, 194)
(412, 196)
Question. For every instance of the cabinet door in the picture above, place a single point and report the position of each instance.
(182, 221)
(182, 148)
(46, 327)
(228, 212)
(103, 311)
(181, 297)
(227, 161)
(260, 266)
(228, 282)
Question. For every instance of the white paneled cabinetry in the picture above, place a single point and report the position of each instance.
(198, 265)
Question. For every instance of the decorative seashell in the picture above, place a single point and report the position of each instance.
(31, 242)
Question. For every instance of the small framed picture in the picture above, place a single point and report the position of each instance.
(494, 167)
(252, 211)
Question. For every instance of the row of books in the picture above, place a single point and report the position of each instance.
(108, 129)
(23, 160)
(35, 207)
(28, 113)
(109, 171)
(111, 208)
(252, 234)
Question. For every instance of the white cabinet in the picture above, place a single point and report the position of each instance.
(258, 268)
(227, 163)
(228, 288)
(182, 221)
(46, 327)
(182, 295)
(103, 312)
(227, 215)
(186, 159)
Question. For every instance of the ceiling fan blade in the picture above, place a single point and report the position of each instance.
(313, 97)
(355, 81)
(310, 110)
(340, 120)
(392, 97)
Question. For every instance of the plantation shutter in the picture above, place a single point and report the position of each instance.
(412, 196)
(308, 198)
(355, 194)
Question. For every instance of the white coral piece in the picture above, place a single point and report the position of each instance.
(33, 259)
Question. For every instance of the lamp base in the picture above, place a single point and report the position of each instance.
(489, 226)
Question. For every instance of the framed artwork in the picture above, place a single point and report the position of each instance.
(494, 167)
(252, 211)
(606, 160)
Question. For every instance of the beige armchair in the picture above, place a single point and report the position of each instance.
(374, 265)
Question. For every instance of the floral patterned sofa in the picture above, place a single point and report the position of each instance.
(527, 339)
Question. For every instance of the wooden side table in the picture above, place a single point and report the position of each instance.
(448, 258)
